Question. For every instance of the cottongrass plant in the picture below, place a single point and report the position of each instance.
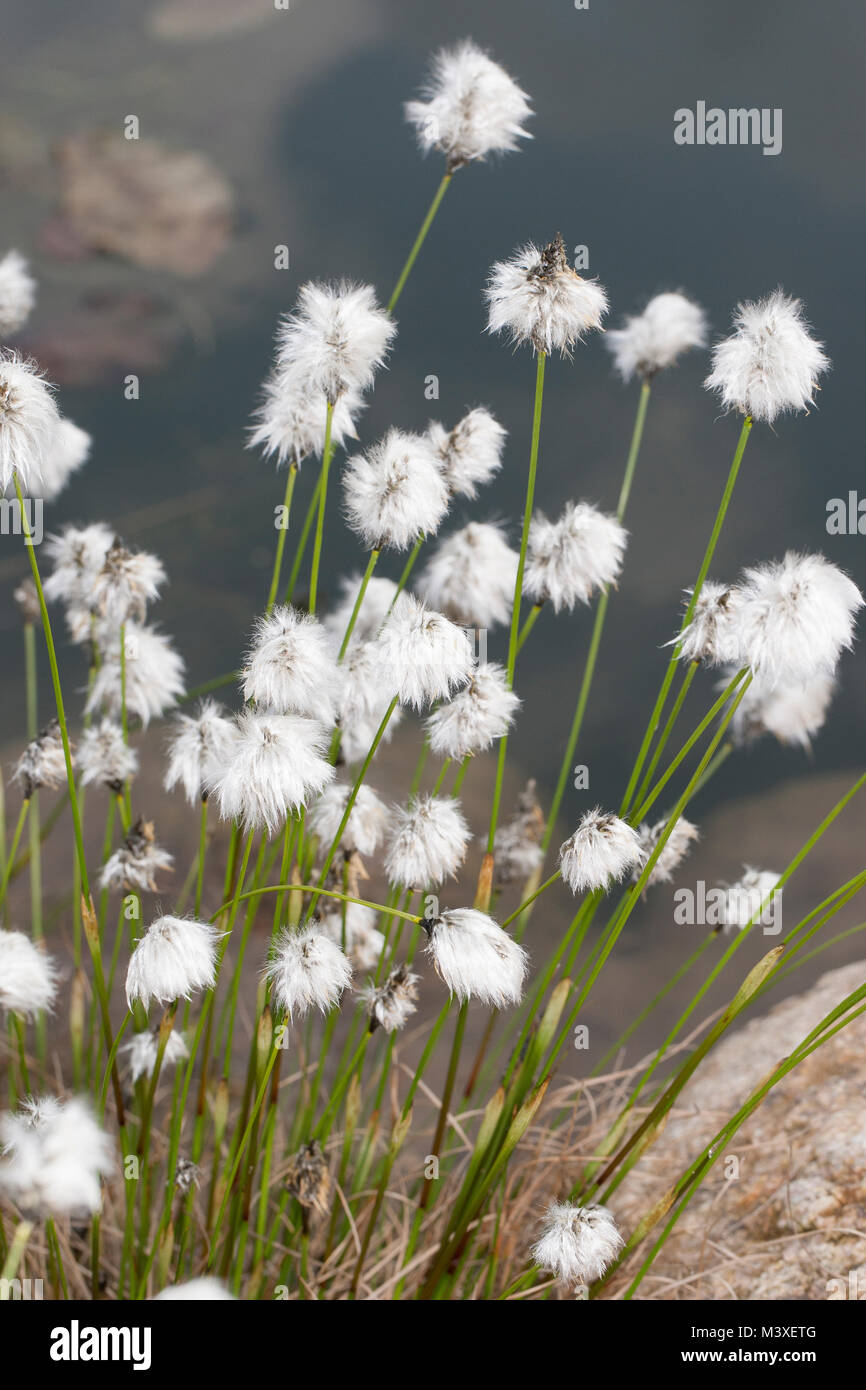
(257, 1083)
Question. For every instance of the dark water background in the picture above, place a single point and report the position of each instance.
(301, 111)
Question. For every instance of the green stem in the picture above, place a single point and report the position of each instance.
(281, 537)
(320, 521)
(419, 241)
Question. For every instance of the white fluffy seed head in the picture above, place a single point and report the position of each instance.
(199, 747)
(793, 714)
(69, 450)
(143, 1050)
(426, 656)
(367, 687)
(135, 865)
(53, 1156)
(335, 340)
(103, 756)
(795, 618)
(428, 842)
(771, 362)
(78, 554)
(712, 633)
(394, 493)
(307, 970)
(375, 606)
(577, 1243)
(677, 846)
(43, 762)
(469, 455)
(475, 958)
(28, 977)
(358, 936)
(602, 850)
(470, 576)
(649, 342)
(289, 423)
(471, 107)
(745, 898)
(17, 293)
(567, 560)
(127, 582)
(538, 299)
(203, 1290)
(174, 959)
(276, 765)
(517, 850)
(291, 666)
(392, 1004)
(365, 827)
(28, 422)
(154, 674)
(476, 717)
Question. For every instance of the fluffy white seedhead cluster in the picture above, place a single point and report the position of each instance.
(28, 422)
(517, 847)
(392, 1004)
(103, 756)
(744, 899)
(425, 655)
(17, 293)
(42, 764)
(367, 688)
(143, 1050)
(199, 746)
(470, 576)
(290, 422)
(375, 607)
(577, 1243)
(677, 846)
(602, 850)
(428, 842)
(126, 583)
(334, 341)
(203, 1290)
(358, 936)
(53, 1157)
(291, 666)
(649, 342)
(68, 451)
(307, 970)
(174, 959)
(789, 621)
(276, 765)
(134, 867)
(365, 828)
(77, 556)
(28, 977)
(476, 717)
(153, 675)
(475, 958)
(771, 362)
(471, 107)
(394, 493)
(538, 299)
(567, 560)
(469, 455)
(793, 714)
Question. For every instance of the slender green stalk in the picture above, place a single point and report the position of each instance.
(323, 497)
(347, 636)
(281, 535)
(301, 548)
(419, 241)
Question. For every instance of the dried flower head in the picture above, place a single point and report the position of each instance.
(275, 766)
(68, 451)
(307, 1178)
(53, 1156)
(793, 714)
(127, 582)
(28, 977)
(428, 842)
(307, 970)
(517, 847)
(174, 959)
(187, 1175)
(577, 1243)
(43, 763)
(335, 340)
(538, 299)
(105, 757)
(365, 827)
(602, 850)
(291, 666)
(676, 847)
(712, 634)
(391, 1005)
(143, 1050)
(17, 293)
(27, 601)
(745, 899)
(425, 655)
(394, 493)
(199, 747)
(367, 688)
(28, 421)
(476, 717)
(471, 107)
(649, 342)
(569, 559)
(470, 576)
(795, 618)
(290, 422)
(133, 867)
(475, 958)
(78, 555)
(469, 455)
(771, 362)
(153, 675)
